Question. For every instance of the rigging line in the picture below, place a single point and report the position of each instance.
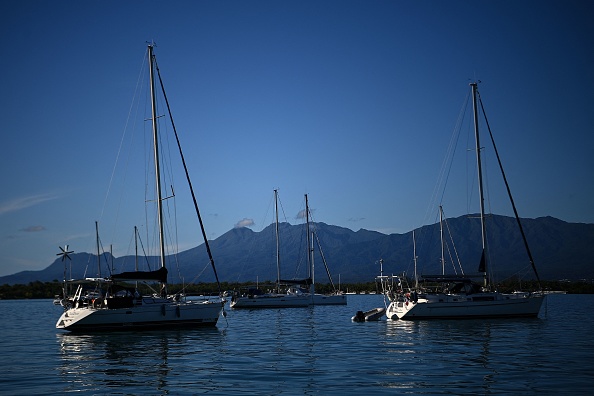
(443, 175)
(189, 181)
(282, 210)
(470, 166)
(176, 230)
(138, 80)
(510, 195)
(485, 163)
(147, 191)
(301, 258)
(254, 240)
(315, 232)
(104, 254)
(133, 108)
(280, 244)
(448, 158)
(453, 244)
(193, 281)
(148, 264)
(454, 144)
(324, 260)
(171, 235)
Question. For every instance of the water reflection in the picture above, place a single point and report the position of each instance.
(319, 351)
(466, 355)
(143, 360)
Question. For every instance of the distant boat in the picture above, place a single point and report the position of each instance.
(335, 298)
(458, 296)
(284, 294)
(113, 303)
(292, 292)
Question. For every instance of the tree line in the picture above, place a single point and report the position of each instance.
(41, 290)
(45, 290)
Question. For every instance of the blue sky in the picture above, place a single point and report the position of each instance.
(351, 102)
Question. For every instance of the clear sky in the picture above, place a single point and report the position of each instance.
(351, 102)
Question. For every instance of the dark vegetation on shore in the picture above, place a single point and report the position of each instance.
(43, 290)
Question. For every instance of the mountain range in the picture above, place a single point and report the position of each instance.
(560, 250)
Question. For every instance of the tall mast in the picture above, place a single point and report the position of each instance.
(135, 248)
(480, 181)
(415, 260)
(98, 251)
(309, 248)
(156, 153)
(136, 252)
(441, 237)
(277, 242)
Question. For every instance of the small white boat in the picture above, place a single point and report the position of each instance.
(372, 315)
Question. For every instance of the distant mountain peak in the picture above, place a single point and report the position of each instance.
(561, 250)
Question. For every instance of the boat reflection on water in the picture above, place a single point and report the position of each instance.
(455, 352)
(141, 360)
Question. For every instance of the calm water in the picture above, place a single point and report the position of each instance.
(304, 351)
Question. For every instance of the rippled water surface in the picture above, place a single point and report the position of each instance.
(298, 351)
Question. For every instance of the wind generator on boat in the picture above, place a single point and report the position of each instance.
(114, 304)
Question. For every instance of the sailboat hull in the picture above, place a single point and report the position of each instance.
(159, 313)
(486, 305)
(330, 299)
(287, 300)
(272, 301)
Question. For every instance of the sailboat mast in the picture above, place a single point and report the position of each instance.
(480, 178)
(135, 248)
(156, 154)
(309, 248)
(98, 251)
(441, 238)
(277, 242)
(415, 260)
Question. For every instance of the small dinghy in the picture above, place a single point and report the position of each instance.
(369, 316)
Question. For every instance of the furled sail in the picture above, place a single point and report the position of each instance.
(159, 275)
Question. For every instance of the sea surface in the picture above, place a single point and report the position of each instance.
(304, 351)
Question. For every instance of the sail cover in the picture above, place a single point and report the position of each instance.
(159, 275)
(306, 282)
(482, 266)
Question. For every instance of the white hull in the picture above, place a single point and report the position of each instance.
(272, 301)
(330, 299)
(152, 313)
(287, 300)
(484, 305)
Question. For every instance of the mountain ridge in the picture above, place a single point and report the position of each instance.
(561, 250)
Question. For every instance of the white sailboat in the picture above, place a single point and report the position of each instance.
(335, 298)
(458, 296)
(283, 296)
(115, 304)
